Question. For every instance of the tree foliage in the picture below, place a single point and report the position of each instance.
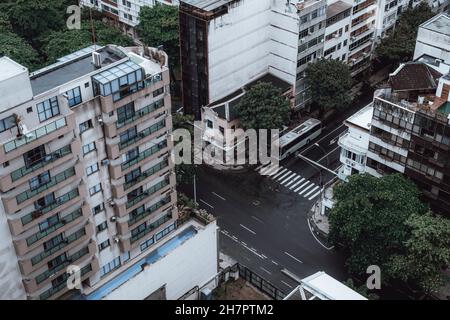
(330, 82)
(16, 48)
(60, 43)
(263, 107)
(381, 221)
(158, 25)
(399, 46)
(185, 173)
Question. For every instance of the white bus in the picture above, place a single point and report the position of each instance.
(299, 137)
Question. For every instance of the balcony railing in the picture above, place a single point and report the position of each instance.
(58, 202)
(141, 113)
(147, 153)
(77, 255)
(148, 193)
(33, 135)
(53, 290)
(152, 226)
(146, 174)
(140, 213)
(144, 133)
(65, 242)
(53, 182)
(67, 219)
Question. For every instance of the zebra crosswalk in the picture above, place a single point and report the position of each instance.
(291, 180)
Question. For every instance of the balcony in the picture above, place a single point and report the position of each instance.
(150, 227)
(144, 133)
(141, 113)
(147, 173)
(147, 153)
(39, 136)
(62, 176)
(147, 193)
(138, 215)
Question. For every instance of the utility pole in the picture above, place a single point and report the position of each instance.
(315, 163)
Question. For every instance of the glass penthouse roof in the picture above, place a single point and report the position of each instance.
(119, 71)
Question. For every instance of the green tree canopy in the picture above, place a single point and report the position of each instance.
(185, 172)
(399, 46)
(263, 107)
(158, 25)
(427, 251)
(330, 82)
(60, 43)
(16, 48)
(368, 218)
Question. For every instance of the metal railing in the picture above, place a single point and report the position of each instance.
(149, 228)
(260, 283)
(147, 153)
(141, 113)
(148, 193)
(147, 173)
(139, 214)
(144, 133)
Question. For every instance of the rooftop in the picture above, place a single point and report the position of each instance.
(414, 76)
(362, 118)
(439, 23)
(10, 68)
(336, 8)
(207, 5)
(71, 67)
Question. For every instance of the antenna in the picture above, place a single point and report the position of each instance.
(92, 29)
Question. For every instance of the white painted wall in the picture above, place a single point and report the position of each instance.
(191, 264)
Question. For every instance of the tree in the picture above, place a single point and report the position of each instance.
(399, 45)
(60, 43)
(16, 48)
(185, 172)
(427, 251)
(158, 25)
(263, 107)
(330, 82)
(368, 219)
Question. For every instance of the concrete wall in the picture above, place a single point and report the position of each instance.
(191, 264)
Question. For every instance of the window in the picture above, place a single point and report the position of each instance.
(164, 232)
(49, 222)
(86, 126)
(128, 135)
(125, 112)
(133, 175)
(45, 201)
(7, 123)
(104, 245)
(209, 124)
(158, 92)
(131, 154)
(109, 267)
(48, 109)
(74, 97)
(102, 226)
(86, 85)
(95, 189)
(98, 208)
(57, 261)
(88, 148)
(39, 180)
(144, 245)
(92, 169)
(53, 242)
(34, 156)
(29, 109)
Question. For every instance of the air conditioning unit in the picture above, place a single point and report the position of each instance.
(100, 120)
(113, 219)
(112, 203)
(116, 239)
(105, 162)
(96, 59)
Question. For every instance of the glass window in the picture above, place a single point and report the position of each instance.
(74, 96)
(103, 245)
(88, 148)
(7, 123)
(128, 135)
(98, 208)
(34, 156)
(125, 112)
(102, 226)
(95, 189)
(85, 126)
(92, 169)
(48, 109)
(48, 222)
(39, 180)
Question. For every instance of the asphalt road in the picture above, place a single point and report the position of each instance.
(263, 219)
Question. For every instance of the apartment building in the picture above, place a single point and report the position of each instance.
(86, 180)
(125, 13)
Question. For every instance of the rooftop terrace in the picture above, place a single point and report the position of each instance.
(439, 23)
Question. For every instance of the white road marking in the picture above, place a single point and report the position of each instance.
(243, 243)
(309, 187)
(264, 256)
(249, 230)
(225, 231)
(305, 184)
(234, 237)
(290, 255)
(269, 170)
(315, 195)
(288, 178)
(266, 270)
(287, 284)
(274, 263)
(280, 172)
(252, 251)
(311, 191)
(284, 175)
(206, 203)
(292, 181)
(263, 165)
(296, 184)
(257, 219)
(218, 196)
